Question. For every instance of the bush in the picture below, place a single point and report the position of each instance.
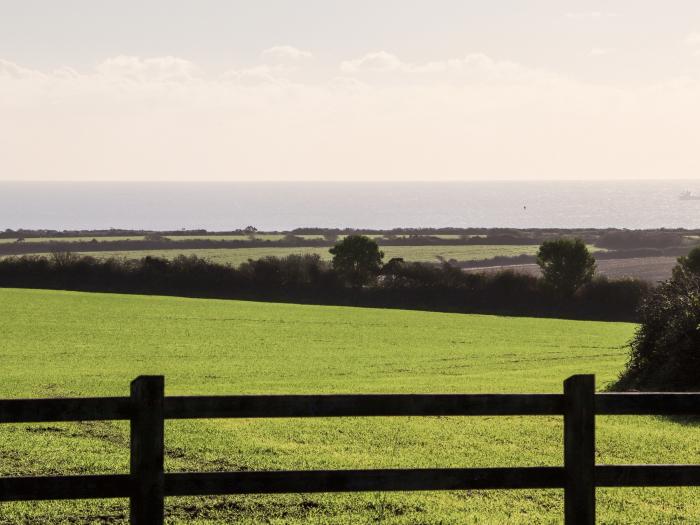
(665, 351)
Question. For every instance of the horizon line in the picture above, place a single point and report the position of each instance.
(344, 181)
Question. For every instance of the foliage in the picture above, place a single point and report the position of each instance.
(310, 279)
(630, 239)
(688, 263)
(566, 264)
(665, 352)
(357, 259)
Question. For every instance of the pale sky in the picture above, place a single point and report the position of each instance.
(353, 90)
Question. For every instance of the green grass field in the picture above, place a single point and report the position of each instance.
(236, 256)
(75, 344)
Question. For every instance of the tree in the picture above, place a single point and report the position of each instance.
(689, 263)
(665, 351)
(566, 264)
(357, 259)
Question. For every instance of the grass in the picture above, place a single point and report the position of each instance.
(75, 344)
(236, 256)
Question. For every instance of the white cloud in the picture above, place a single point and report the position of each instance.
(258, 75)
(474, 67)
(11, 70)
(591, 15)
(375, 61)
(599, 51)
(385, 118)
(693, 39)
(160, 69)
(285, 53)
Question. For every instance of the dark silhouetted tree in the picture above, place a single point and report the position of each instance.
(357, 259)
(566, 264)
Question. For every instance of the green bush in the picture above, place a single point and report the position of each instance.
(665, 352)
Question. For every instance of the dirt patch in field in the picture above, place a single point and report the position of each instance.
(648, 268)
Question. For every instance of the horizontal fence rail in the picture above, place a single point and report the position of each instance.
(68, 409)
(364, 405)
(147, 484)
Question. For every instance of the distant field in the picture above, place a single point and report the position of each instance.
(76, 344)
(262, 236)
(214, 237)
(236, 256)
(648, 268)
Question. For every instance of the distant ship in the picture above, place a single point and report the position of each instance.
(687, 196)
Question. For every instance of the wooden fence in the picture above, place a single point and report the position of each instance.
(147, 484)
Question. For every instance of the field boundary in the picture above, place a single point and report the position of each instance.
(147, 484)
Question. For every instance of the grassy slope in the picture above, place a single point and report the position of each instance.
(63, 343)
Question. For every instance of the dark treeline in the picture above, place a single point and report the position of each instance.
(623, 244)
(308, 279)
(114, 232)
(630, 239)
(613, 238)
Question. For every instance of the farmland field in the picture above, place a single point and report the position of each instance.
(650, 269)
(75, 344)
(207, 237)
(236, 256)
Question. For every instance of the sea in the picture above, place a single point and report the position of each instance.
(219, 206)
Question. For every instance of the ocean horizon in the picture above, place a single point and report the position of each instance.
(288, 205)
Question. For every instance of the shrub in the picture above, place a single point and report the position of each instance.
(665, 351)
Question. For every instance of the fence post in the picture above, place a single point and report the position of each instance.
(147, 443)
(579, 450)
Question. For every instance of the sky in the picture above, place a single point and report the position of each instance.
(360, 90)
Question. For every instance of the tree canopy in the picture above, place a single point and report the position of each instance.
(357, 259)
(689, 263)
(566, 264)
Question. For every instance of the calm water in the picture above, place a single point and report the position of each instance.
(281, 206)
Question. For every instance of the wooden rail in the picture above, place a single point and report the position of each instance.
(147, 484)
